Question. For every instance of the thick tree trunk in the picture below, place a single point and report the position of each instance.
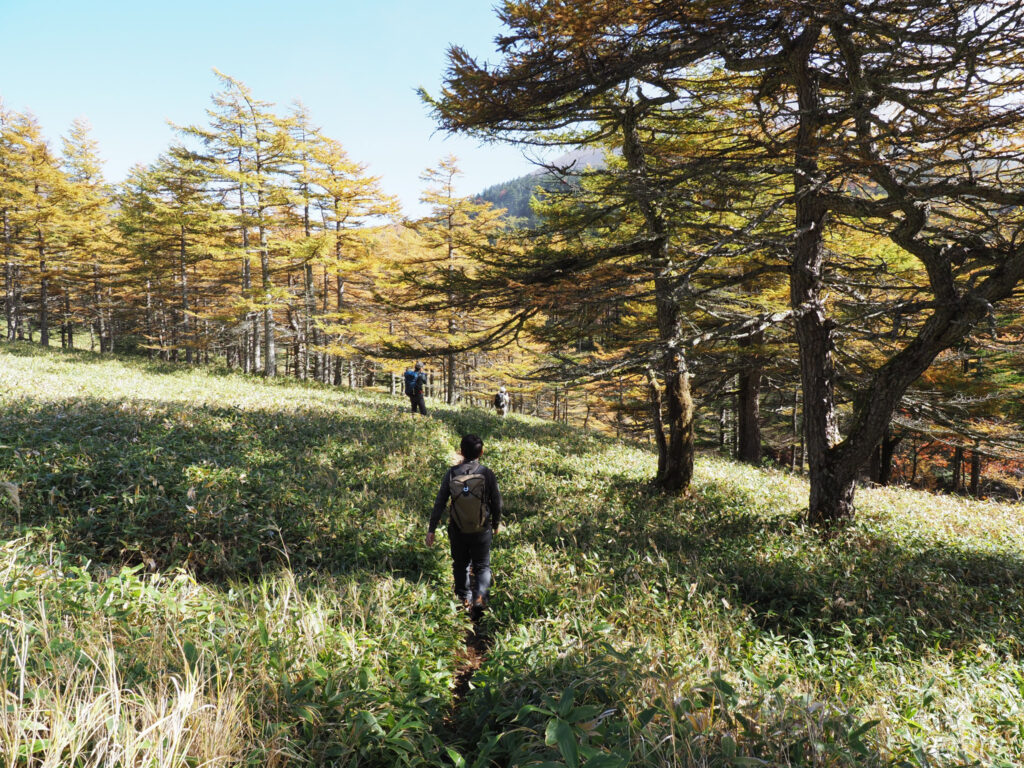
(748, 405)
(798, 442)
(975, 473)
(831, 493)
(956, 308)
(678, 464)
(831, 480)
(958, 470)
(881, 458)
(676, 461)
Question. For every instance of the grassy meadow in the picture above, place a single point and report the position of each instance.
(203, 569)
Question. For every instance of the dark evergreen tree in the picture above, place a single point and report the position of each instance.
(890, 116)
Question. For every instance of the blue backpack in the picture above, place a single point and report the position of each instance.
(413, 384)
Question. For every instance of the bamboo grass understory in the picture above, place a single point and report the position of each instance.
(204, 568)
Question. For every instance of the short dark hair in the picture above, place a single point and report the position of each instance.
(418, 366)
(471, 447)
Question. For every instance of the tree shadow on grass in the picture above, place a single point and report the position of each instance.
(138, 361)
(219, 490)
(225, 491)
(910, 594)
(567, 440)
(628, 709)
(88, 357)
(926, 599)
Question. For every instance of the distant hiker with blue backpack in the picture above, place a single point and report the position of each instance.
(415, 381)
(469, 491)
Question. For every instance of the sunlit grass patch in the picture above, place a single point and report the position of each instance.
(98, 668)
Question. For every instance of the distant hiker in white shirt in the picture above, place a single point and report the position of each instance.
(501, 401)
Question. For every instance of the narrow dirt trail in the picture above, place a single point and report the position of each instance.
(478, 643)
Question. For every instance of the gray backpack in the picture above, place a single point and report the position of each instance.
(469, 509)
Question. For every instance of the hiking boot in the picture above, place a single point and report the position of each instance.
(478, 607)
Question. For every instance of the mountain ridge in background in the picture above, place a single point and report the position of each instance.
(515, 194)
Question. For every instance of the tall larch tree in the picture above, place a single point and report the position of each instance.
(143, 249)
(333, 199)
(14, 193)
(195, 226)
(455, 231)
(248, 152)
(41, 218)
(88, 234)
(303, 137)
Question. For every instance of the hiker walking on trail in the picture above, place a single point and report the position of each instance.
(501, 401)
(415, 381)
(470, 492)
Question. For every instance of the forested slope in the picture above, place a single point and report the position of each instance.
(515, 195)
(201, 568)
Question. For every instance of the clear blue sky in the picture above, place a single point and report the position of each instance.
(129, 66)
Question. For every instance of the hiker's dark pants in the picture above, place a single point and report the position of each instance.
(471, 552)
(418, 403)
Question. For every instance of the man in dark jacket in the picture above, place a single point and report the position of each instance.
(470, 491)
(415, 380)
